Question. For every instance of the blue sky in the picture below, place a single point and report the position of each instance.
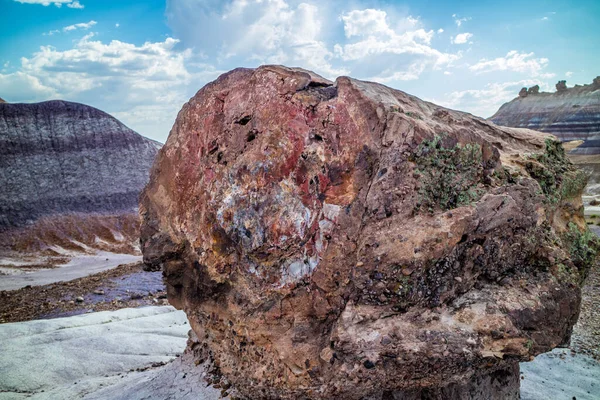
(141, 60)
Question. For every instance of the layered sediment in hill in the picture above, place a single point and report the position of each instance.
(61, 163)
(347, 240)
(569, 114)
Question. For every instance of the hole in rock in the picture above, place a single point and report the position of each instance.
(244, 120)
(319, 84)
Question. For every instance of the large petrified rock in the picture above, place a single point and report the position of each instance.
(347, 240)
(569, 113)
(69, 173)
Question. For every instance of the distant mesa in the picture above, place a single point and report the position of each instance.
(63, 162)
(534, 90)
(570, 113)
(561, 86)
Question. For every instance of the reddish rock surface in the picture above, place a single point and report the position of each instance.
(348, 240)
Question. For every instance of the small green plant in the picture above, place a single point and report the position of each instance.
(529, 344)
(555, 174)
(413, 115)
(583, 247)
(403, 286)
(449, 176)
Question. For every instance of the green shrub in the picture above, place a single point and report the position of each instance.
(583, 247)
(448, 176)
(555, 174)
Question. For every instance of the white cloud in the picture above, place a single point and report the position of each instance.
(440, 30)
(447, 73)
(374, 46)
(569, 74)
(255, 32)
(544, 18)
(117, 25)
(81, 25)
(144, 85)
(462, 38)
(485, 102)
(57, 3)
(459, 21)
(21, 87)
(151, 65)
(366, 22)
(75, 4)
(515, 62)
(381, 53)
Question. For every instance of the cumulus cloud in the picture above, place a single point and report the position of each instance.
(20, 87)
(144, 85)
(513, 61)
(462, 38)
(459, 21)
(367, 22)
(485, 102)
(57, 3)
(287, 32)
(75, 4)
(568, 74)
(377, 51)
(81, 25)
(69, 28)
(254, 32)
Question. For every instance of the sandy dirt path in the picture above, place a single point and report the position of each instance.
(78, 267)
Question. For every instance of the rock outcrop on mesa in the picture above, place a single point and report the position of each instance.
(347, 240)
(569, 113)
(61, 159)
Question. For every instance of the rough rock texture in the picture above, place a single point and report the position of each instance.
(348, 240)
(60, 157)
(569, 113)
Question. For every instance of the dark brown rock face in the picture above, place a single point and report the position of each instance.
(347, 240)
(569, 114)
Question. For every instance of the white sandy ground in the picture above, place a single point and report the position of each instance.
(79, 266)
(90, 357)
(66, 358)
(560, 375)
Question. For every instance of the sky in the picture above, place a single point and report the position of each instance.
(141, 61)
